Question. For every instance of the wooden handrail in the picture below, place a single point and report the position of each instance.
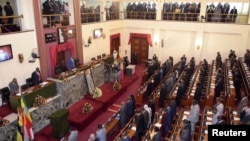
(4, 17)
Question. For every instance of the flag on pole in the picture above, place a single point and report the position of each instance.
(19, 136)
(26, 121)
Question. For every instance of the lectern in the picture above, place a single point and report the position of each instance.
(59, 122)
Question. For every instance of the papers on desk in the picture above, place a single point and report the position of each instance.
(231, 86)
(186, 112)
(235, 113)
(231, 82)
(236, 118)
(209, 118)
(43, 84)
(158, 125)
(133, 128)
(209, 112)
(184, 117)
(18, 94)
(208, 123)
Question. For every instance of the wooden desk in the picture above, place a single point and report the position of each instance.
(47, 91)
(70, 73)
(110, 127)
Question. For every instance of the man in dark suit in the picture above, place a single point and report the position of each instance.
(151, 104)
(185, 134)
(123, 114)
(140, 128)
(130, 107)
(233, 14)
(157, 134)
(36, 76)
(9, 12)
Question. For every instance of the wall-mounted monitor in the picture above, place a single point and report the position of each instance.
(98, 33)
(6, 52)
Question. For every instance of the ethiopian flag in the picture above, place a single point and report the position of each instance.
(25, 121)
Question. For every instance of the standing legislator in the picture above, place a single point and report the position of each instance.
(36, 76)
(14, 87)
(9, 12)
(71, 63)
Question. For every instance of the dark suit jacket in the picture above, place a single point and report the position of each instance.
(139, 121)
(157, 137)
(35, 78)
(130, 108)
(123, 115)
(8, 10)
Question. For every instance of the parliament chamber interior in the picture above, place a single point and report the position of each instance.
(116, 70)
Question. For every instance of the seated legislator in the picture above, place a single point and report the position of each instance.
(36, 76)
(14, 87)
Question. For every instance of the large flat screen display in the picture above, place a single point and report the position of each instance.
(5, 52)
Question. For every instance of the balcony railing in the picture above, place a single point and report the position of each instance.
(10, 24)
(140, 15)
(112, 16)
(91, 17)
(52, 20)
(226, 18)
(171, 16)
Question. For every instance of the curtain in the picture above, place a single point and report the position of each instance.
(148, 36)
(58, 48)
(115, 36)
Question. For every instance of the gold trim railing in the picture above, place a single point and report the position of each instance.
(91, 17)
(53, 19)
(15, 25)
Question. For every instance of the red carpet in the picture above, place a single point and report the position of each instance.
(78, 119)
(102, 117)
(5, 110)
(108, 95)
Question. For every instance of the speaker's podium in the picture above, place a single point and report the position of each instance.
(130, 69)
(59, 122)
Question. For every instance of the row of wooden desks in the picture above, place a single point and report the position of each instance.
(245, 74)
(230, 89)
(211, 86)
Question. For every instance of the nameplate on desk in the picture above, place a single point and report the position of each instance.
(133, 128)
(18, 94)
(43, 84)
(158, 125)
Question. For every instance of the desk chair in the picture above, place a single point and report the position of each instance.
(77, 63)
(58, 70)
(29, 82)
(103, 55)
(24, 86)
(99, 57)
(93, 59)
(5, 92)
